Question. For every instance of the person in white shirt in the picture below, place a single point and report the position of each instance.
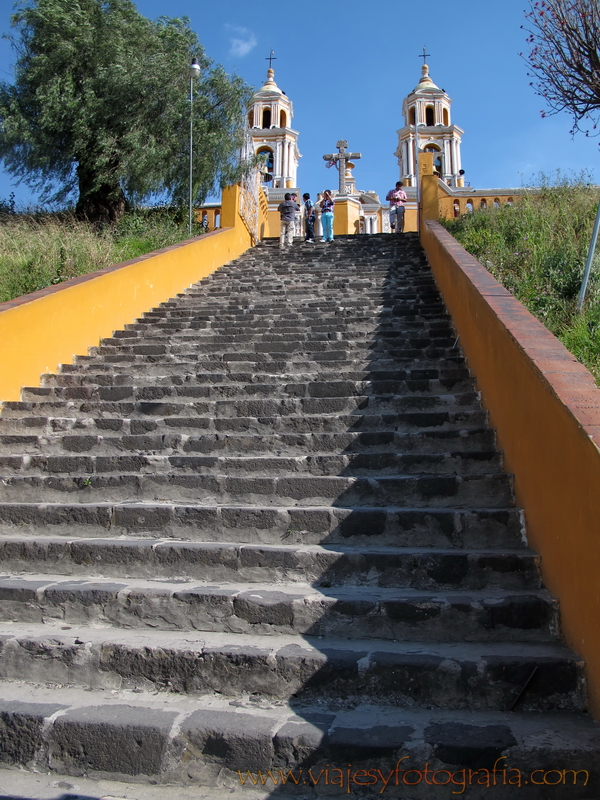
(396, 198)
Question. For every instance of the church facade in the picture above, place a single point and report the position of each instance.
(428, 128)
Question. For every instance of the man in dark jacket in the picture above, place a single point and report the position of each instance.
(287, 213)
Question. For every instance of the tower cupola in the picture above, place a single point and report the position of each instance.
(428, 127)
(270, 116)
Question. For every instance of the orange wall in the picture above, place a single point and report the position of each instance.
(47, 328)
(545, 407)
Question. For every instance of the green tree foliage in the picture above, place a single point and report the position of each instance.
(100, 108)
(537, 249)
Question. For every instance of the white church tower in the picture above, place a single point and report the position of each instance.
(270, 115)
(428, 107)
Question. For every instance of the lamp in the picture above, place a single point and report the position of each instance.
(194, 73)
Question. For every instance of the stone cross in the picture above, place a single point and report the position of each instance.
(341, 158)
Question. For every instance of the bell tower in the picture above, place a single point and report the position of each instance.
(270, 115)
(428, 127)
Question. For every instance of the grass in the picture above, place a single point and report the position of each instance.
(537, 248)
(38, 250)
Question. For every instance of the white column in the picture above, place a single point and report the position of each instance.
(293, 162)
(447, 159)
(278, 171)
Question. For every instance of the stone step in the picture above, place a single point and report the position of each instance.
(418, 443)
(388, 463)
(488, 615)
(276, 331)
(406, 674)
(257, 365)
(192, 325)
(115, 388)
(152, 420)
(475, 527)
(321, 566)
(394, 393)
(149, 374)
(439, 491)
(293, 351)
(221, 742)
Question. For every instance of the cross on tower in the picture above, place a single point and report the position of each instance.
(340, 159)
(270, 58)
(424, 56)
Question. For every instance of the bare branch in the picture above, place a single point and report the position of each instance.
(564, 58)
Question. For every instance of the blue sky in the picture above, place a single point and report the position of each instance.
(347, 69)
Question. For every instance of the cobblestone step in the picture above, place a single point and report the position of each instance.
(406, 674)
(87, 400)
(489, 615)
(442, 491)
(419, 443)
(357, 465)
(181, 740)
(103, 388)
(393, 526)
(328, 565)
(441, 421)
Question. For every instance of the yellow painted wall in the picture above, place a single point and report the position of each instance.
(446, 202)
(346, 217)
(42, 330)
(545, 407)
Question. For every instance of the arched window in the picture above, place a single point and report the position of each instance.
(509, 201)
(411, 115)
(282, 119)
(456, 208)
(496, 202)
(429, 117)
(437, 157)
(469, 207)
(483, 203)
(251, 119)
(269, 162)
(266, 120)
(446, 117)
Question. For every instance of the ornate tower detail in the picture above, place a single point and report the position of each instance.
(428, 107)
(269, 125)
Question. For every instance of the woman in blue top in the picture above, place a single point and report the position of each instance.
(327, 216)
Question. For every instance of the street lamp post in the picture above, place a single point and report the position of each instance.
(194, 73)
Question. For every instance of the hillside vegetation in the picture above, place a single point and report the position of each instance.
(537, 249)
(41, 250)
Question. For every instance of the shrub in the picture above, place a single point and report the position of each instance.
(537, 249)
(39, 250)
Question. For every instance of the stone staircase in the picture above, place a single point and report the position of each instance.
(266, 527)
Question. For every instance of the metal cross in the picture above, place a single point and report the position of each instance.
(424, 56)
(340, 160)
(271, 57)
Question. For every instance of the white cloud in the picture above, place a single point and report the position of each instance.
(243, 41)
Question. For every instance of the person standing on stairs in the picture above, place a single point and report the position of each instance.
(310, 219)
(396, 198)
(287, 214)
(327, 216)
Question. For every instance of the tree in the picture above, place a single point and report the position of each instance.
(564, 39)
(100, 108)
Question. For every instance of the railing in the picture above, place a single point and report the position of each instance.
(249, 204)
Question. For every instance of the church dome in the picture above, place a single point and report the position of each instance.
(269, 88)
(425, 84)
